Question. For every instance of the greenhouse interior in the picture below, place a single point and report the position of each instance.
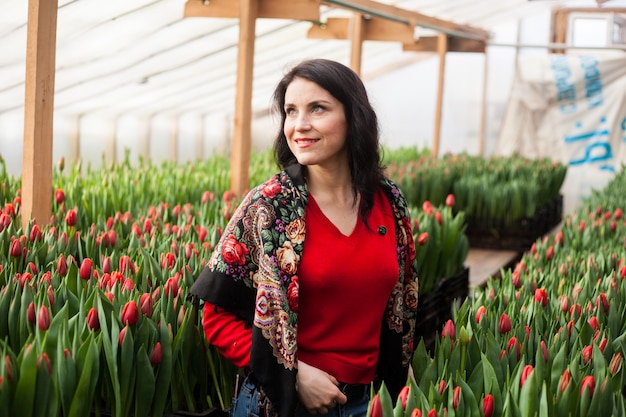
(134, 134)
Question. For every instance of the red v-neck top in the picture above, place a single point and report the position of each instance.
(345, 283)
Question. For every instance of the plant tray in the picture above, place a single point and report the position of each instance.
(518, 235)
(436, 307)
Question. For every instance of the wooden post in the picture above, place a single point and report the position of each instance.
(356, 49)
(442, 48)
(483, 108)
(240, 150)
(38, 112)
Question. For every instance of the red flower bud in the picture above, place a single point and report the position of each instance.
(128, 285)
(618, 213)
(488, 405)
(130, 314)
(16, 250)
(587, 353)
(439, 218)
(442, 386)
(70, 218)
(59, 196)
(376, 408)
(126, 265)
(422, 238)
(92, 319)
(504, 324)
(593, 322)
(171, 286)
(122, 335)
(456, 397)
(86, 269)
(432, 413)
(550, 253)
(61, 266)
(416, 412)
(480, 313)
(157, 354)
(528, 369)
(588, 384)
(564, 381)
(147, 304)
(30, 313)
(616, 363)
(603, 302)
(35, 234)
(448, 330)
(544, 350)
(450, 201)
(404, 396)
(541, 296)
(43, 319)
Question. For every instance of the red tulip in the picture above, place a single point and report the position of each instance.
(422, 239)
(593, 322)
(432, 413)
(448, 330)
(30, 313)
(488, 405)
(61, 266)
(126, 265)
(376, 408)
(544, 350)
(616, 363)
(564, 381)
(43, 319)
(86, 269)
(603, 302)
(456, 397)
(618, 213)
(147, 304)
(528, 369)
(588, 384)
(130, 313)
(541, 296)
(157, 354)
(480, 313)
(171, 286)
(550, 253)
(92, 319)
(427, 207)
(442, 386)
(168, 261)
(504, 324)
(70, 218)
(16, 250)
(450, 201)
(439, 218)
(587, 353)
(59, 196)
(128, 285)
(404, 396)
(416, 412)
(122, 335)
(35, 234)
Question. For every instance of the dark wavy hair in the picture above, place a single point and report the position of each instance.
(364, 153)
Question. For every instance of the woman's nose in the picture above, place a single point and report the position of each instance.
(302, 123)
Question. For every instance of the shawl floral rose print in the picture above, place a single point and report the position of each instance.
(253, 273)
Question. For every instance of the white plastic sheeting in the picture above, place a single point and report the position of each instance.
(137, 75)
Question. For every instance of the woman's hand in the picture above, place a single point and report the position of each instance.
(318, 391)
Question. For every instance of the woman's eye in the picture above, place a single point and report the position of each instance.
(317, 109)
(290, 112)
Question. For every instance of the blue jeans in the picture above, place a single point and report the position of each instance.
(247, 405)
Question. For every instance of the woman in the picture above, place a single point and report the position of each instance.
(312, 287)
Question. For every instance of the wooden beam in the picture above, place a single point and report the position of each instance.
(277, 9)
(442, 49)
(455, 44)
(240, 151)
(38, 112)
(389, 12)
(374, 29)
(356, 38)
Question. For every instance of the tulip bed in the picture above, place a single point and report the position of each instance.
(547, 338)
(507, 201)
(93, 312)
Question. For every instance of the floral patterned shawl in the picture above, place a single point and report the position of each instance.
(253, 273)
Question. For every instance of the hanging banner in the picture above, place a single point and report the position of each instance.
(572, 109)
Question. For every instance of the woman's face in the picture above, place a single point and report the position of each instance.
(315, 125)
